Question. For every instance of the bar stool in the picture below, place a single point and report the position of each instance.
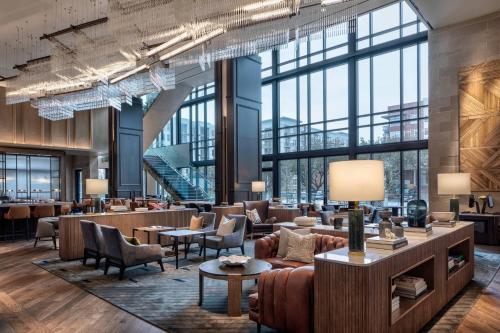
(19, 213)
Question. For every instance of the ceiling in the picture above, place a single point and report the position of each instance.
(441, 13)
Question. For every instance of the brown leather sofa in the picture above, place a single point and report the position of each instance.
(268, 216)
(266, 248)
(285, 300)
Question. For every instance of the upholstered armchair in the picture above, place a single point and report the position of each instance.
(266, 248)
(43, 211)
(285, 300)
(268, 216)
(208, 225)
(92, 241)
(120, 253)
(17, 214)
(46, 228)
(236, 239)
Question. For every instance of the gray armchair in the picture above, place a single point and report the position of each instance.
(46, 228)
(92, 241)
(236, 239)
(120, 253)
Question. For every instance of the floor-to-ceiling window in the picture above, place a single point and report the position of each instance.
(336, 96)
(30, 177)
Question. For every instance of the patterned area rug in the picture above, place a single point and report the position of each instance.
(169, 300)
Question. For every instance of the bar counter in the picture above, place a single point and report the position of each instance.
(70, 235)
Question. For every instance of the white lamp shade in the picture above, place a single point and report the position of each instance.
(356, 180)
(453, 183)
(96, 186)
(258, 186)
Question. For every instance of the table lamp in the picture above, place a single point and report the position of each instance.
(356, 180)
(258, 186)
(454, 184)
(96, 188)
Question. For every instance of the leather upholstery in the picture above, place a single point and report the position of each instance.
(285, 300)
(18, 213)
(266, 248)
(44, 211)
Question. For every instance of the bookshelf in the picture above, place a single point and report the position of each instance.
(460, 248)
(423, 269)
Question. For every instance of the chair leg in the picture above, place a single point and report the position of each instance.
(145, 265)
(201, 249)
(218, 252)
(27, 231)
(242, 249)
(97, 261)
(84, 257)
(188, 247)
(13, 230)
(54, 241)
(258, 328)
(160, 262)
(106, 267)
(36, 241)
(122, 271)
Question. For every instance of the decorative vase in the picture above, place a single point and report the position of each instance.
(385, 223)
(417, 213)
(398, 229)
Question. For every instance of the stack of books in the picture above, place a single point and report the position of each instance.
(395, 303)
(386, 243)
(410, 286)
(455, 262)
(448, 224)
(426, 231)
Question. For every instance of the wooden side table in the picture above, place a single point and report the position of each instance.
(150, 230)
(234, 275)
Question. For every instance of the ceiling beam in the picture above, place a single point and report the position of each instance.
(73, 28)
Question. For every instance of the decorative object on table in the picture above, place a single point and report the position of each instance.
(141, 209)
(356, 180)
(386, 243)
(417, 213)
(337, 222)
(454, 184)
(234, 260)
(397, 228)
(425, 231)
(385, 224)
(443, 219)
(408, 286)
(305, 221)
(258, 187)
(96, 188)
(118, 209)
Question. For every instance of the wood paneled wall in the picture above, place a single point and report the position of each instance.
(480, 125)
(20, 125)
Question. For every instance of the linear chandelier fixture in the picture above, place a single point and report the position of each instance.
(136, 48)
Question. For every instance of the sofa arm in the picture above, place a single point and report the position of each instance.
(286, 299)
(284, 214)
(267, 247)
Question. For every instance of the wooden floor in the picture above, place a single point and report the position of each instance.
(33, 300)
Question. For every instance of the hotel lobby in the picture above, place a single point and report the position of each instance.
(249, 166)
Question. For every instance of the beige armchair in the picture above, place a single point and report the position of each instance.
(120, 253)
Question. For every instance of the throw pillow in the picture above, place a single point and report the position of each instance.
(253, 216)
(301, 248)
(283, 243)
(196, 223)
(226, 227)
(132, 240)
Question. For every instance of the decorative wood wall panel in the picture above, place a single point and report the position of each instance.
(20, 125)
(479, 89)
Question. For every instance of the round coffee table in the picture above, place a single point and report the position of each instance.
(234, 275)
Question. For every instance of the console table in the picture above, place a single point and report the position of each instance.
(353, 293)
(486, 227)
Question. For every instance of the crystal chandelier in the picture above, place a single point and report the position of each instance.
(136, 50)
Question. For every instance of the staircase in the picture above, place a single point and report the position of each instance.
(174, 183)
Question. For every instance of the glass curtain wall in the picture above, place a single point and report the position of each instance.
(361, 95)
(30, 177)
